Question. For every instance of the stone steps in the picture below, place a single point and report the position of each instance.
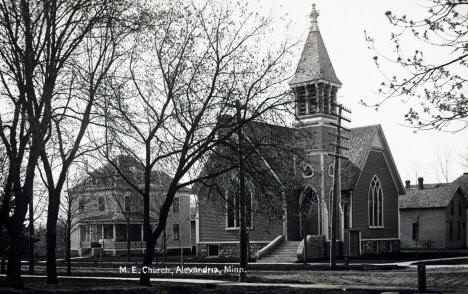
(285, 253)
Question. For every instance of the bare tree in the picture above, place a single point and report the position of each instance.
(443, 164)
(74, 108)
(39, 40)
(440, 88)
(69, 210)
(187, 68)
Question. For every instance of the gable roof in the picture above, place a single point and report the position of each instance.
(160, 179)
(360, 144)
(267, 136)
(432, 197)
(462, 181)
(314, 64)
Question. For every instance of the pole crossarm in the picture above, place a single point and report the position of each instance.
(339, 146)
(338, 156)
(340, 136)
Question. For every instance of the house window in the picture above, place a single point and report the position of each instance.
(460, 209)
(176, 204)
(347, 215)
(81, 204)
(451, 231)
(451, 208)
(82, 233)
(108, 232)
(101, 204)
(459, 230)
(233, 206)
(415, 231)
(95, 233)
(375, 204)
(175, 231)
(127, 202)
(213, 250)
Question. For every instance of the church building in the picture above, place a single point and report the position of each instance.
(369, 181)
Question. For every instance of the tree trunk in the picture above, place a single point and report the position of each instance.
(3, 263)
(147, 261)
(13, 278)
(52, 214)
(31, 237)
(16, 234)
(128, 241)
(164, 247)
(68, 244)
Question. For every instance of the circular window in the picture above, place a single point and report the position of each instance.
(331, 170)
(307, 171)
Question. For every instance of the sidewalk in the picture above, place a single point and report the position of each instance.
(219, 283)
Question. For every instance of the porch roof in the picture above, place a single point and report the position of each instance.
(115, 217)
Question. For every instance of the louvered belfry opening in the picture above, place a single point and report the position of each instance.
(317, 98)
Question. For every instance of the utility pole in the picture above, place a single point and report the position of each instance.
(336, 176)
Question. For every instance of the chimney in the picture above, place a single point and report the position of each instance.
(420, 183)
(407, 184)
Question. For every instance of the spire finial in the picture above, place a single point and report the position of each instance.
(313, 18)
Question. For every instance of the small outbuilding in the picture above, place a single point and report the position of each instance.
(433, 216)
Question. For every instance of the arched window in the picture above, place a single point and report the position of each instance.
(375, 204)
(233, 205)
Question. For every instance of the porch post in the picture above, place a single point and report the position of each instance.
(285, 218)
(142, 233)
(114, 232)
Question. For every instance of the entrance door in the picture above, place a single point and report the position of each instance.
(294, 220)
(309, 208)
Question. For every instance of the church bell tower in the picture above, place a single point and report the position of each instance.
(315, 87)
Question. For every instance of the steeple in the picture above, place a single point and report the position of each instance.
(314, 83)
(314, 63)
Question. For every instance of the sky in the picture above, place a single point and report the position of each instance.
(342, 24)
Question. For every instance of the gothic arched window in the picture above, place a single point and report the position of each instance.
(375, 203)
(233, 205)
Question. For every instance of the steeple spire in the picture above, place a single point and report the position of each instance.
(315, 83)
(314, 63)
(313, 19)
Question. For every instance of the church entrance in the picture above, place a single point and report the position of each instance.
(309, 212)
(303, 213)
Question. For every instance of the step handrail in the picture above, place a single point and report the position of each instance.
(267, 249)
